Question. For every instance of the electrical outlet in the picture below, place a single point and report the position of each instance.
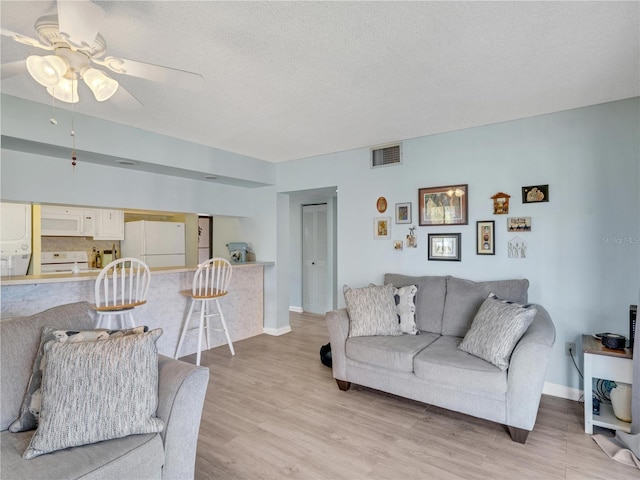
(568, 348)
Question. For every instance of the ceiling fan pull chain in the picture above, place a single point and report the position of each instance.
(73, 131)
(53, 110)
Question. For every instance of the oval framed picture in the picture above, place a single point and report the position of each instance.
(381, 204)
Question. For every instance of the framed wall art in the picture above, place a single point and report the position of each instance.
(397, 245)
(501, 203)
(412, 241)
(446, 205)
(535, 194)
(485, 237)
(382, 228)
(381, 204)
(444, 246)
(403, 212)
(519, 224)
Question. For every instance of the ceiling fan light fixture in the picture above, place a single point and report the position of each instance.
(47, 70)
(102, 86)
(66, 90)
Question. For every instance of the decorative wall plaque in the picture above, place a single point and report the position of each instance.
(501, 203)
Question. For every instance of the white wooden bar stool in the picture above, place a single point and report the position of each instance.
(210, 282)
(120, 288)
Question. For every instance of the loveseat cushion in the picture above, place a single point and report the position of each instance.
(135, 456)
(442, 364)
(429, 298)
(395, 353)
(464, 297)
(19, 340)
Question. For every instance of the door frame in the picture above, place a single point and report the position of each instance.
(326, 195)
(324, 305)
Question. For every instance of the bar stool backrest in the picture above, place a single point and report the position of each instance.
(212, 278)
(122, 284)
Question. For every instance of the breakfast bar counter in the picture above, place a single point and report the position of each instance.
(243, 307)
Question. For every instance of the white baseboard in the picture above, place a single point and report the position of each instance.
(276, 332)
(561, 391)
(296, 309)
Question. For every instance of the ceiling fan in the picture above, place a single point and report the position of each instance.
(72, 36)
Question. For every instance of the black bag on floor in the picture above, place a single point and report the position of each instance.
(325, 355)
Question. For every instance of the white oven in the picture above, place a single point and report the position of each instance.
(64, 262)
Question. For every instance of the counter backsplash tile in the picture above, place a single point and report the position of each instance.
(76, 244)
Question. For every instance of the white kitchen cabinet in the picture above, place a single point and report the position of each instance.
(99, 223)
(89, 220)
(109, 224)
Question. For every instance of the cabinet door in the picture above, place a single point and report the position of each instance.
(109, 225)
(89, 223)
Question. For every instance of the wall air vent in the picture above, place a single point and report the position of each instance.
(386, 155)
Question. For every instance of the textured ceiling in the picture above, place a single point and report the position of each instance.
(288, 80)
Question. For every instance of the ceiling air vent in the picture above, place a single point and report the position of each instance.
(387, 155)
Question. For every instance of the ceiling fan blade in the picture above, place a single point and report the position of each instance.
(79, 22)
(178, 78)
(32, 42)
(12, 69)
(124, 100)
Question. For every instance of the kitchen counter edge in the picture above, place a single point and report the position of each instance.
(83, 277)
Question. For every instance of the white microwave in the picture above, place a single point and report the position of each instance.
(62, 221)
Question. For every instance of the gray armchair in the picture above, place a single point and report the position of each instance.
(167, 455)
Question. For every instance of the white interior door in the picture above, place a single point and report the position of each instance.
(315, 281)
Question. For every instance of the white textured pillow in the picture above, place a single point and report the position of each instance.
(406, 308)
(372, 311)
(30, 409)
(95, 391)
(496, 328)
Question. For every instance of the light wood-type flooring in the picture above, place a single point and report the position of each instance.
(274, 412)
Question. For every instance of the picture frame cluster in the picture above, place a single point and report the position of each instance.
(448, 205)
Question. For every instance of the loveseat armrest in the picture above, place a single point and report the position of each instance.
(527, 371)
(338, 324)
(181, 391)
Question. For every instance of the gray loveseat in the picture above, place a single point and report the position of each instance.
(430, 368)
(167, 455)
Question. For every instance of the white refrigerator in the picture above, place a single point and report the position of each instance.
(158, 244)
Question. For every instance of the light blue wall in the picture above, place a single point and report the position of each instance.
(42, 178)
(28, 120)
(584, 250)
(584, 246)
(36, 178)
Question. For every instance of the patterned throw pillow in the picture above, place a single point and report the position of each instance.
(372, 311)
(96, 391)
(406, 308)
(30, 409)
(496, 329)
